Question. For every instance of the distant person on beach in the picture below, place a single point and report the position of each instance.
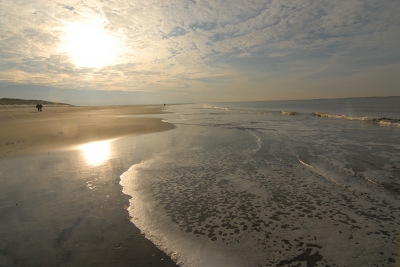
(38, 107)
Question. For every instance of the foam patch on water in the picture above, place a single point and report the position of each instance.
(148, 215)
(289, 113)
(379, 121)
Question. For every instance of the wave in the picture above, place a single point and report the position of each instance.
(231, 126)
(354, 173)
(380, 121)
(303, 161)
(289, 113)
(212, 107)
(206, 106)
(259, 142)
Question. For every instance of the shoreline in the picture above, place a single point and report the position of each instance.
(26, 131)
(73, 213)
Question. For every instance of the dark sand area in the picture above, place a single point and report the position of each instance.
(55, 209)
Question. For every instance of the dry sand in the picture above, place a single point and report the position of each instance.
(27, 131)
(50, 214)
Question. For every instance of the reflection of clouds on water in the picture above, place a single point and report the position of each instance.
(97, 152)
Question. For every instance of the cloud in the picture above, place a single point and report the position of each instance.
(188, 45)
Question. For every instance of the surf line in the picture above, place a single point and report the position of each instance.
(259, 142)
(353, 173)
(323, 175)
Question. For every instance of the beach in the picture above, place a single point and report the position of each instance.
(27, 131)
(57, 208)
(270, 183)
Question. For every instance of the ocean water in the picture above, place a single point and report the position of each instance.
(279, 183)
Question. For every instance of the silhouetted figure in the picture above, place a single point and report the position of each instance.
(38, 107)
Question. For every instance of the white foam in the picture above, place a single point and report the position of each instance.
(379, 121)
(259, 142)
(289, 113)
(321, 173)
(206, 106)
(169, 237)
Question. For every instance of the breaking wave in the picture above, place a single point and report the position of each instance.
(289, 113)
(212, 107)
(380, 121)
(206, 106)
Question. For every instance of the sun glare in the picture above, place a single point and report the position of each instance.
(97, 152)
(90, 45)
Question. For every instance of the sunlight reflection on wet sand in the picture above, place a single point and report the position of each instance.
(97, 152)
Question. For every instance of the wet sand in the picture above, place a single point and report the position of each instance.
(26, 131)
(54, 209)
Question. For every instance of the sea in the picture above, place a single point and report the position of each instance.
(272, 183)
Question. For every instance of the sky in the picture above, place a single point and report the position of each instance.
(95, 52)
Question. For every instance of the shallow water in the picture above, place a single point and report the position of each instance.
(245, 184)
(66, 209)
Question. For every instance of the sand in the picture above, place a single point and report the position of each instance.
(27, 131)
(55, 209)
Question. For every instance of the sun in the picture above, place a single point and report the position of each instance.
(90, 45)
